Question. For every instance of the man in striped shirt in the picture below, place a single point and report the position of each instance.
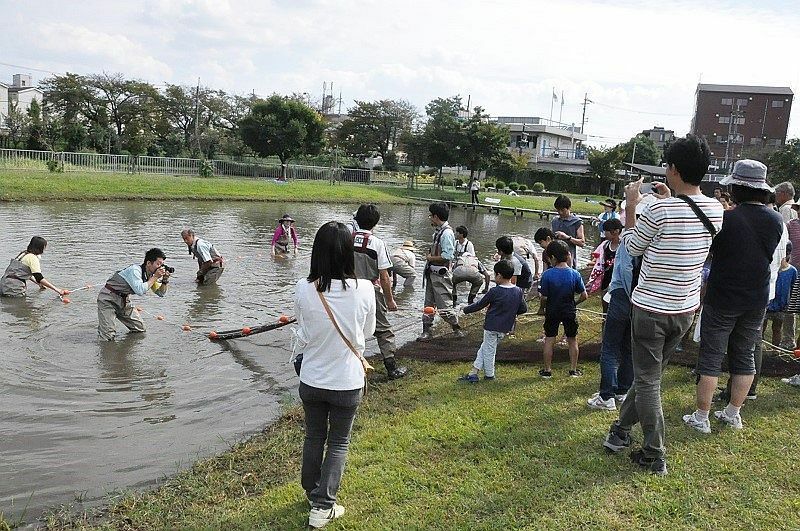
(673, 241)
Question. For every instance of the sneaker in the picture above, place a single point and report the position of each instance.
(576, 373)
(469, 378)
(614, 442)
(654, 465)
(751, 396)
(597, 402)
(621, 398)
(459, 333)
(545, 374)
(397, 373)
(734, 422)
(318, 518)
(424, 336)
(488, 378)
(703, 426)
(794, 380)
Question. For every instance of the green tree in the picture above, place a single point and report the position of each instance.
(443, 133)
(36, 128)
(17, 123)
(284, 128)
(484, 143)
(375, 127)
(784, 163)
(604, 162)
(646, 151)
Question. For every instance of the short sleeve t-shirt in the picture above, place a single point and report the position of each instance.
(569, 226)
(32, 261)
(202, 250)
(516, 263)
(559, 285)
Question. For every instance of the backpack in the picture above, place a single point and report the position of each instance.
(525, 278)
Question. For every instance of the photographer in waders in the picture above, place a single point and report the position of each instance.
(437, 278)
(113, 300)
(210, 262)
(372, 263)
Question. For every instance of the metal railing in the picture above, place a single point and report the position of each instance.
(26, 159)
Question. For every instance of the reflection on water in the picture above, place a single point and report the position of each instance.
(78, 415)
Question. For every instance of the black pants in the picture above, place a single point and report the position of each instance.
(474, 196)
(329, 416)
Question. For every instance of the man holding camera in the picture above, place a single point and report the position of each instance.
(210, 262)
(113, 300)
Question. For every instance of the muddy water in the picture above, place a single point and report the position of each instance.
(80, 419)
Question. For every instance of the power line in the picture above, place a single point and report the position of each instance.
(637, 111)
(29, 68)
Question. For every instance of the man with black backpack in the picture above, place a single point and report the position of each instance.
(673, 236)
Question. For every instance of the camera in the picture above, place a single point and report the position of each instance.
(168, 269)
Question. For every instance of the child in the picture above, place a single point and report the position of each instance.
(523, 276)
(609, 212)
(505, 302)
(544, 237)
(283, 233)
(787, 275)
(604, 255)
(568, 227)
(558, 287)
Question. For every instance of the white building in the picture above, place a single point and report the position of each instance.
(549, 145)
(18, 95)
(4, 101)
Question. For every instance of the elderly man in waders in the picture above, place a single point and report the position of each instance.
(210, 262)
(113, 300)
(437, 278)
(372, 263)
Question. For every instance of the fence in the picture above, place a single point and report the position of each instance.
(25, 159)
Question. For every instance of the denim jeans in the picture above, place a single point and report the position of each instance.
(616, 364)
(329, 416)
(486, 354)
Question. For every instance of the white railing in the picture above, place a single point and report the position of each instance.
(26, 159)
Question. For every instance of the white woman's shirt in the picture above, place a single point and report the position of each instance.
(328, 363)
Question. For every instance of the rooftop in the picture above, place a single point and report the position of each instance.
(744, 89)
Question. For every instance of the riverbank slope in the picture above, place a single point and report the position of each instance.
(16, 185)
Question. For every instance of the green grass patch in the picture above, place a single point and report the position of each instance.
(20, 185)
(520, 452)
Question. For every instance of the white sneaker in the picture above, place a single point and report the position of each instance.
(703, 426)
(794, 380)
(734, 422)
(597, 402)
(621, 398)
(321, 517)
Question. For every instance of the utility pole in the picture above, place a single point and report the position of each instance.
(586, 101)
(197, 118)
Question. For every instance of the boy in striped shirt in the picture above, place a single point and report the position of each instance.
(673, 236)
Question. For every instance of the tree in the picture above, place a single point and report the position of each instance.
(17, 123)
(284, 128)
(784, 163)
(375, 126)
(646, 151)
(484, 143)
(36, 134)
(604, 162)
(443, 134)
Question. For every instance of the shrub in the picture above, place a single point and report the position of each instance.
(489, 184)
(500, 185)
(513, 185)
(54, 166)
(206, 169)
(458, 182)
(523, 187)
(538, 186)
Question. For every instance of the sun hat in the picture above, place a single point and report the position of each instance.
(286, 217)
(610, 203)
(408, 244)
(750, 173)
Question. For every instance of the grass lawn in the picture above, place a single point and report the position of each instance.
(18, 185)
(520, 452)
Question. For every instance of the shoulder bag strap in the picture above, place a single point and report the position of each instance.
(700, 214)
(364, 363)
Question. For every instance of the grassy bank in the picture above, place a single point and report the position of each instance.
(520, 452)
(44, 186)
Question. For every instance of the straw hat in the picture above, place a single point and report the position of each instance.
(408, 244)
(286, 217)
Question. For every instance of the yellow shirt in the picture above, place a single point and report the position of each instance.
(32, 261)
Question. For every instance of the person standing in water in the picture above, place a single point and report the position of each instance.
(26, 267)
(210, 262)
(284, 232)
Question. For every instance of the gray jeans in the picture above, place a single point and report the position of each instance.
(383, 329)
(329, 417)
(654, 338)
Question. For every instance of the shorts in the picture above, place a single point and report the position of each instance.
(774, 316)
(729, 333)
(551, 323)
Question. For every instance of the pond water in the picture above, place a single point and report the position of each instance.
(80, 418)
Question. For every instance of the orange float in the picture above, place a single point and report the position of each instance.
(65, 300)
(283, 319)
(186, 328)
(213, 335)
(160, 317)
(246, 330)
(797, 354)
(429, 310)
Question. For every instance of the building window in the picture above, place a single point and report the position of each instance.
(727, 101)
(755, 141)
(741, 102)
(661, 137)
(777, 103)
(720, 140)
(724, 119)
(739, 121)
(775, 142)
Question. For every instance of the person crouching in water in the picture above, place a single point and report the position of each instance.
(26, 267)
(210, 261)
(113, 300)
(505, 302)
(404, 262)
(372, 264)
(284, 232)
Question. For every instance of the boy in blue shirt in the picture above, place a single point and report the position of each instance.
(558, 287)
(505, 302)
(787, 275)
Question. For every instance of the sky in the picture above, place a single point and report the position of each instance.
(638, 61)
